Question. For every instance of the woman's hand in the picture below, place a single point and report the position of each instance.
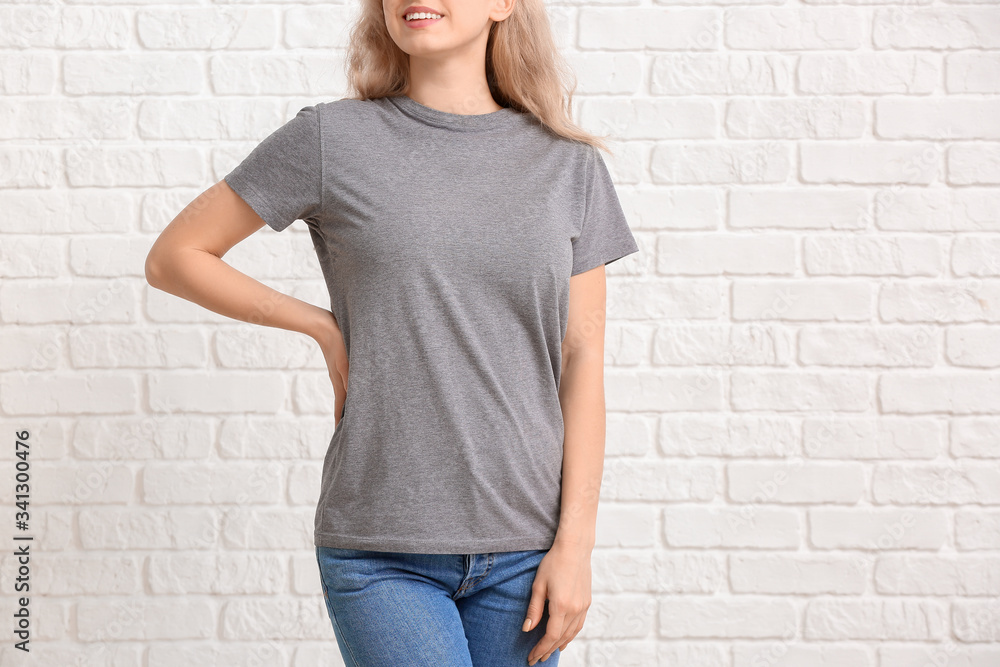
(563, 577)
(331, 342)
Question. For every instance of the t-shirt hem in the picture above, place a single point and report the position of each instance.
(607, 258)
(255, 200)
(434, 546)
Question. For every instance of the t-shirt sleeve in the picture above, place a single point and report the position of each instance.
(605, 235)
(281, 178)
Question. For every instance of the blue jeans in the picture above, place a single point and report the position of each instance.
(436, 610)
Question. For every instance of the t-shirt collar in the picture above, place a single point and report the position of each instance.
(502, 118)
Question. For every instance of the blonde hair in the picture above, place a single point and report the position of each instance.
(524, 69)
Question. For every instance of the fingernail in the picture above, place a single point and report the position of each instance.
(527, 625)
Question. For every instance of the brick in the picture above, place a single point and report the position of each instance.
(646, 480)
(775, 574)
(747, 617)
(196, 484)
(881, 437)
(731, 527)
(721, 436)
(794, 483)
(881, 620)
(217, 574)
(695, 73)
(937, 28)
(975, 437)
(211, 29)
(896, 346)
(868, 73)
(880, 529)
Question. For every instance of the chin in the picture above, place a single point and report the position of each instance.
(421, 47)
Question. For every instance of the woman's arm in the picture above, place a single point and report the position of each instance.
(581, 395)
(186, 261)
(563, 576)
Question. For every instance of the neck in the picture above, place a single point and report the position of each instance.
(455, 85)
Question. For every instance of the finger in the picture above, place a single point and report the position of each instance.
(553, 633)
(535, 606)
(571, 636)
(558, 643)
(572, 629)
(343, 373)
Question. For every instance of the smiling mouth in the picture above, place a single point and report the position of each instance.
(420, 13)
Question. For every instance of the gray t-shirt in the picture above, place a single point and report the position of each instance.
(447, 242)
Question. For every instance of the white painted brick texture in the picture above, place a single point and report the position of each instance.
(803, 361)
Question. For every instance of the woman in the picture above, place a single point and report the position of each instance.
(462, 223)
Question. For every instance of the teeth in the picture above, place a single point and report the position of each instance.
(422, 15)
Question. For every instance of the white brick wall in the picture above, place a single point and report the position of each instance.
(803, 389)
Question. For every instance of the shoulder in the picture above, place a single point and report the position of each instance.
(580, 155)
(352, 108)
(581, 158)
(573, 155)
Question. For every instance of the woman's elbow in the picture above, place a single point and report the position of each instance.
(157, 267)
(152, 270)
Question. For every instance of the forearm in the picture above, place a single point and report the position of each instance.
(581, 395)
(207, 280)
